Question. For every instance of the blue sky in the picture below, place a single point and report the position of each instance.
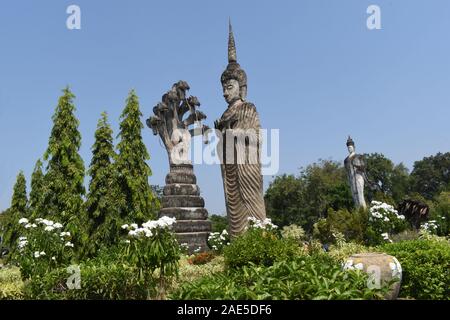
(314, 71)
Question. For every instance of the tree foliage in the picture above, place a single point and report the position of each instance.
(302, 200)
(133, 172)
(393, 180)
(17, 210)
(64, 187)
(103, 220)
(37, 187)
(431, 175)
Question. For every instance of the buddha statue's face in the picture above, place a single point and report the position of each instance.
(351, 149)
(231, 91)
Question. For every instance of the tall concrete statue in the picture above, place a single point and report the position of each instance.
(357, 177)
(239, 148)
(173, 117)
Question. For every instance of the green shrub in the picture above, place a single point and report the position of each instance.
(43, 246)
(11, 285)
(259, 247)
(99, 280)
(426, 267)
(190, 272)
(440, 212)
(352, 224)
(344, 251)
(294, 232)
(303, 277)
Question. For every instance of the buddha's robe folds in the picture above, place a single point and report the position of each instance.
(241, 170)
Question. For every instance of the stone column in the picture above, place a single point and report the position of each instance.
(181, 200)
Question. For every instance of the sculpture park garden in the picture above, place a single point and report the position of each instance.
(360, 228)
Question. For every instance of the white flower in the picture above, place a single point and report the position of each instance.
(125, 226)
(385, 236)
(148, 233)
(47, 222)
(64, 234)
(68, 244)
(386, 219)
(37, 254)
(33, 225)
(42, 253)
(53, 258)
(134, 226)
(127, 241)
(23, 221)
(27, 226)
(165, 221)
(22, 243)
(132, 233)
(22, 238)
(359, 266)
(49, 228)
(348, 265)
(58, 225)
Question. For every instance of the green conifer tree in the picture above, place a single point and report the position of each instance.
(101, 204)
(63, 182)
(139, 202)
(18, 210)
(37, 185)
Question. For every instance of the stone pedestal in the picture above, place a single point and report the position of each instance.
(181, 200)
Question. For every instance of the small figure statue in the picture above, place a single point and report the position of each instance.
(356, 171)
(240, 158)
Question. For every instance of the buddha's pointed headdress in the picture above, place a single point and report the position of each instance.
(350, 142)
(233, 70)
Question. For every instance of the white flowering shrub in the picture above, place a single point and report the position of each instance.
(153, 247)
(218, 240)
(43, 245)
(295, 232)
(429, 227)
(384, 221)
(265, 224)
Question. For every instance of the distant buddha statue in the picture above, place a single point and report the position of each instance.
(357, 177)
(240, 156)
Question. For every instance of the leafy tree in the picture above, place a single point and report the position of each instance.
(440, 212)
(133, 172)
(63, 181)
(393, 180)
(158, 191)
(284, 200)
(431, 175)
(101, 205)
(37, 187)
(302, 200)
(219, 223)
(17, 210)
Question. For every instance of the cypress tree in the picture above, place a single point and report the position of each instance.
(63, 181)
(18, 209)
(101, 204)
(138, 203)
(37, 188)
